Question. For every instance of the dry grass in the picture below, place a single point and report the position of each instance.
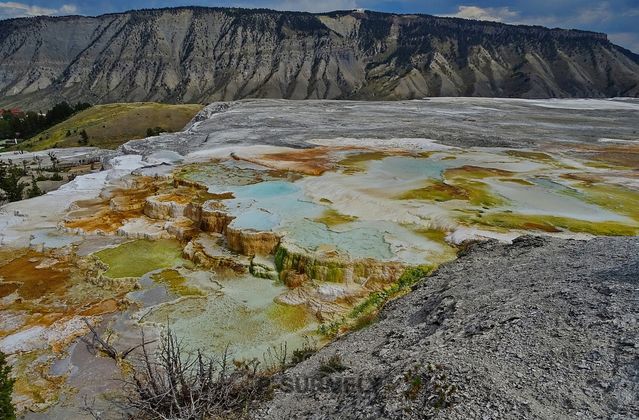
(174, 384)
(111, 125)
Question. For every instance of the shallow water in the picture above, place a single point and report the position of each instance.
(52, 238)
(359, 240)
(242, 315)
(269, 205)
(406, 168)
(545, 198)
(354, 210)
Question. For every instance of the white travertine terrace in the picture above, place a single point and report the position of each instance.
(271, 217)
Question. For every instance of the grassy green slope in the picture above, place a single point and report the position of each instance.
(111, 125)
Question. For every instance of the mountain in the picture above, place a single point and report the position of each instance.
(196, 54)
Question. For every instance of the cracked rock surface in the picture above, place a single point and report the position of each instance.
(541, 328)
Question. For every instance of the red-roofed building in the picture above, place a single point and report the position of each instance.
(16, 112)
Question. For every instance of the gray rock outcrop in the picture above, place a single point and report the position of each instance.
(542, 328)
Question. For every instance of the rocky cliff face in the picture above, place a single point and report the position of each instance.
(204, 54)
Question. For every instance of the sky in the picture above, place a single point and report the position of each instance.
(618, 18)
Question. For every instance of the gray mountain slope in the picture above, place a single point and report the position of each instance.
(207, 54)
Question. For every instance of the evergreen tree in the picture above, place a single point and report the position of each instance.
(10, 175)
(7, 410)
(81, 106)
(150, 132)
(35, 190)
(84, 137)
(29, 124)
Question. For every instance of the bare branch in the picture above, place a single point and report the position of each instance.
(97, 343)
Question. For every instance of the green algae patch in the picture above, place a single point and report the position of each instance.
(332, 218)
(136, 258)
(546, 223)
(467, 179)
(475, 172)
(173, 281)
(357, 162)
(612, 197)
(434, 235)
(475, 192)
(329, 270)
(216, 174)
(449, 252)
(604, 165)
(518, 181)
(526, 154)
(34, 381)
(281, 259)
(478, 193)
(364, 312)
(435, 191)
(288, 317)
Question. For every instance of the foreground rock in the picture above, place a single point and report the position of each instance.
(542, 328)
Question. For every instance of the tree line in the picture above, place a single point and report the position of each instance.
(25, 125)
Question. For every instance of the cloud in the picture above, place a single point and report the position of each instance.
(496, 14)
(629, 40)
(21, 9)
(600, 14)
(587, 16)
(13, 9)
(68, 9)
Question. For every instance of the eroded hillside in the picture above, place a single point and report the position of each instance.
(201, 55)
